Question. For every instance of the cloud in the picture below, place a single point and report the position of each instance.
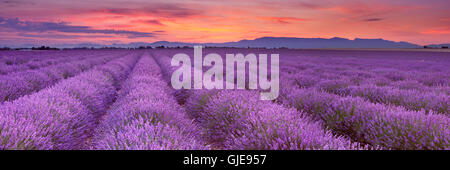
(308, 5)
(438, 31)
(376, 8)
(283, 20)
(158, 10)
(358, 8)
(61, 36)
(11, 3)
(30, 26)
(150, 22)
(373, 19)
(154, 22)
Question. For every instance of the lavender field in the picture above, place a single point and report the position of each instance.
(123, 100)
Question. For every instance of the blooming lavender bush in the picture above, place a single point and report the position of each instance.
(374, 124)
(237, 119)
(163, 60)
(141, 135)
(147, 118)
(31, 60)
(60, 117)
(410, 99)
(50, 119)
(15, 85)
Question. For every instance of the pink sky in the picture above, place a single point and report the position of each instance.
(123, 21)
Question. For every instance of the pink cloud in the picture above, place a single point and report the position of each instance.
(156, 10)
(284, 20)
(149, 22)
(437, 31)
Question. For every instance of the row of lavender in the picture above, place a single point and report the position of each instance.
(63, 116)
(146, 116)
(428, 90)
(11, 58)
(417, 81)
(14, 61)
(369, 123)
(310, 74)
(17, 84)
(402, 119)
(325, 103)
(398, 71)
(17, 57)
(237, 119)
(400, 102)
(417, 99)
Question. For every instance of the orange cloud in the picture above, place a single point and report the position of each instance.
(284, 20)
(437, 31)
(369, 9)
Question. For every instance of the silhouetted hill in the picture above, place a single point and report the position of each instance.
(277, 42)
(268, 42)
(439, 46)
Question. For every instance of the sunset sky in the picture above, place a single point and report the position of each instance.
(123, 21)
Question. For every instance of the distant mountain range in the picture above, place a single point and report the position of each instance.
(267, 42)
(438, 45)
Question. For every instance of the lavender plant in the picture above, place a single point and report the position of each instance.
(147, 118)
(374, 124)
(60, 117)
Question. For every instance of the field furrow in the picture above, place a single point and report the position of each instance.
(62, 116)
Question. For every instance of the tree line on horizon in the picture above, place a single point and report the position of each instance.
(147, 47)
